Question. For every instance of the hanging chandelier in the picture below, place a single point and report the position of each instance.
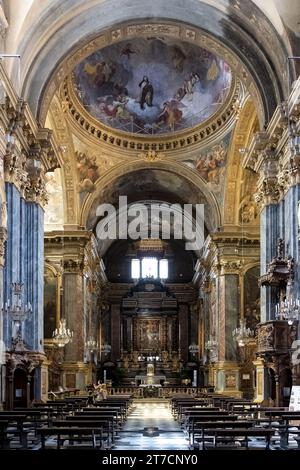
(211, 345)
(242, 334)
(62, 335)
(289, 308)
(91, 344)
(18, 311)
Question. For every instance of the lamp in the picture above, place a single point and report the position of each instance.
(242, 334)
(193, 348)
(62, 335)
(18, 311)
(106, 348)
(289, 308)
(211, 346)
(91, 344)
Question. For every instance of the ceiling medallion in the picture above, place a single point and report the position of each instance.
(151, 156)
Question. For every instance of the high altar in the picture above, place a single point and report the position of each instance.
(150, 332)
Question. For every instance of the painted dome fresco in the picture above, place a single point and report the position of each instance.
(152, 86)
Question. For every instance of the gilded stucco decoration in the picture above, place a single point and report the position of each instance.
(239, 204)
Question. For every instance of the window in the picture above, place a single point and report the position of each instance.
(135, 269)
(149, 267)
(163, 269)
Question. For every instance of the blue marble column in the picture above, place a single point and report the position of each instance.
(12, 255)
(32, 270)
(269, 234)
(24, 261)
(290, 230)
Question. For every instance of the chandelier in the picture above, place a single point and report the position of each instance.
(193, 348)
(211, 345)
(62, 335)
(289, 308)
(18, 311)
(242, 334)
(91, 344)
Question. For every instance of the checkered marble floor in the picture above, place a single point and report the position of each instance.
(151, 426)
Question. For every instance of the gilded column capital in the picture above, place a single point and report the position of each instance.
(295, 162)
(36, 189)
(72, 266)
(230, 266)
(15, 171)
(3, 238)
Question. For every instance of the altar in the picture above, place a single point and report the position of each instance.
(144, 380)
(151, 391)
(150, 379)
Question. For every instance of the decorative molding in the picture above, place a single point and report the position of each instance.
(125, 141)
(275, 153)
(151, 156)
(72, 266)
(169, 29)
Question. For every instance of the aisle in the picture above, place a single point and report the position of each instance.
(167, 436)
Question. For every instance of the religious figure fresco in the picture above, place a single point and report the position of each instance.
(54, 210)
(210, 164)
(88, 171)
(152, 86)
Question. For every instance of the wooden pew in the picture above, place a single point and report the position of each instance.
(198, 428)
(220, 433)
(69, 433)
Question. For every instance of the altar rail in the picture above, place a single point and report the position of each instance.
(163, 392)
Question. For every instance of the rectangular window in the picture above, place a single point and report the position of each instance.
(163, 269)
(135, 268)
(149, 267)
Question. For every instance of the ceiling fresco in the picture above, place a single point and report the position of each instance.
(152, 86)
(210, 163)
(54, 210)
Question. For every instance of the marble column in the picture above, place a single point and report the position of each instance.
(228, 315)
(73, 308)
(183, 331)
(227, 378)
(269, 233)
(3, 237)
(115, 332)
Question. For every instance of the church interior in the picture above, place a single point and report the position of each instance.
(112, 108)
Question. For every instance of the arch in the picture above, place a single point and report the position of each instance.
(172, 167)
(79, 22)
(239, 140)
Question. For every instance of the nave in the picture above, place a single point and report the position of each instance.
(151, 426)
(121, 423)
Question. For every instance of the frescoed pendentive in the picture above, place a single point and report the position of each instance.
(152, 86)
(210, 163)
